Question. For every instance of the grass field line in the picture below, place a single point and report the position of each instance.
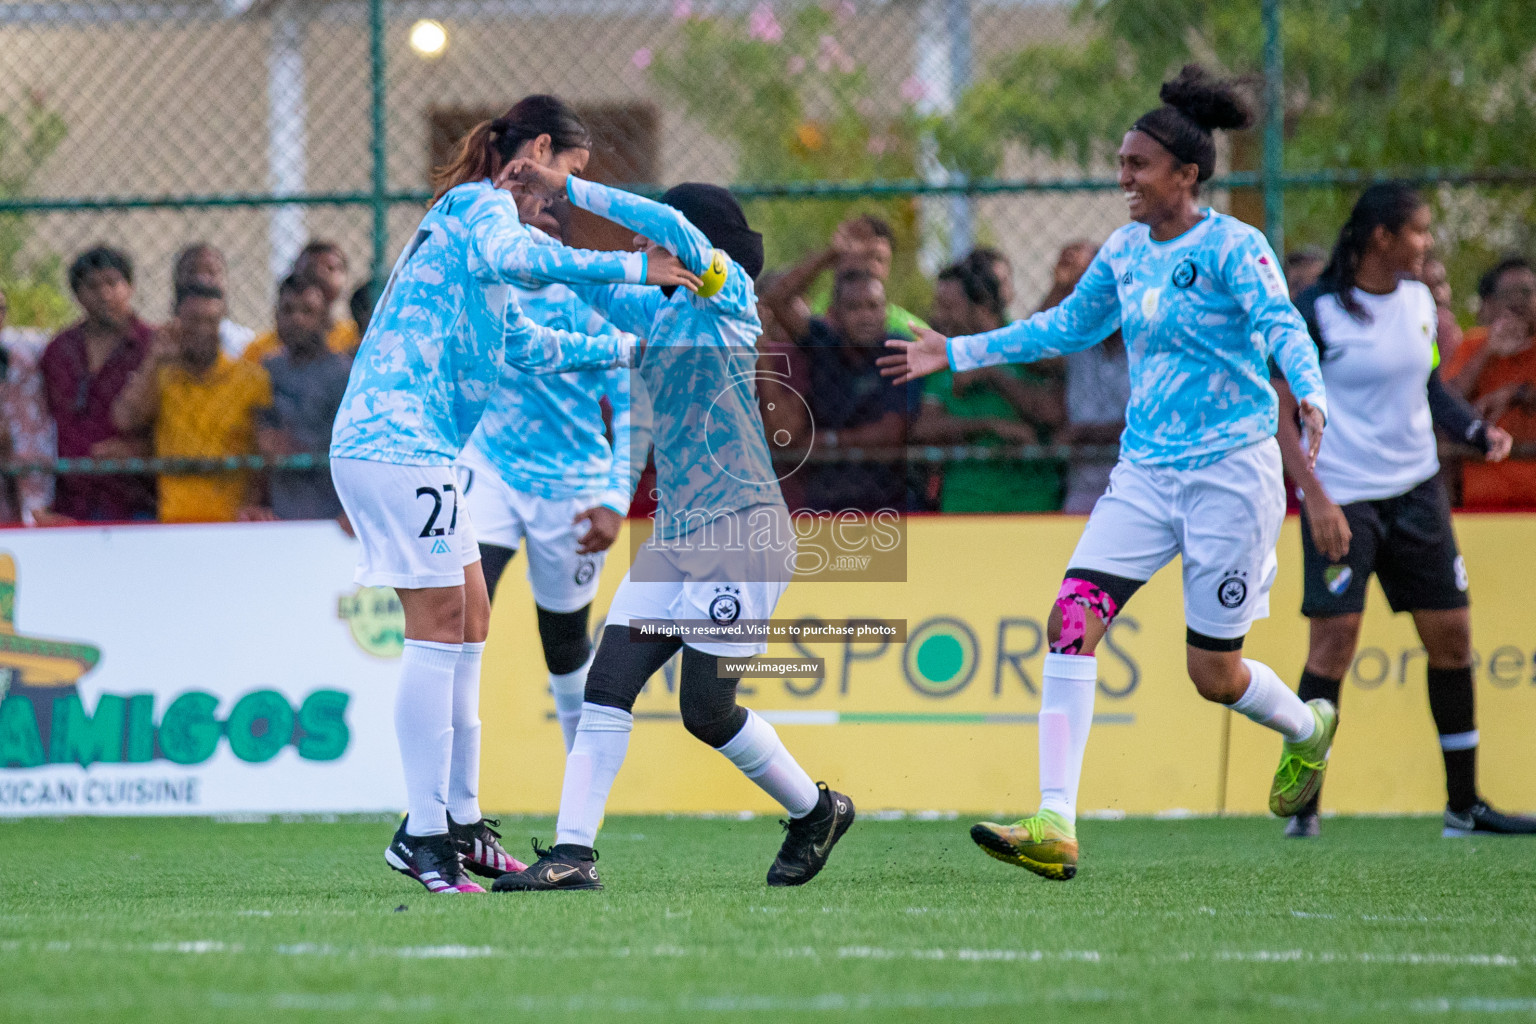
(375, 1002)
(454, 951)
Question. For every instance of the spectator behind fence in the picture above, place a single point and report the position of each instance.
(989, 407)
(198, 403)
(989, 260)
(84, 370)
(864, 243)
(326, 264)
(851, 405)
(28, 432)
(1098, 389)
(1302, 269)
(783, 381)
(308, 381)
(1448, 336)
(201, 263)
(1495, 369)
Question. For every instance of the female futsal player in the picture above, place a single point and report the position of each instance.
(1374, 503)
(419, 383)
(1202, 306)
(540, 473)
(723, 548)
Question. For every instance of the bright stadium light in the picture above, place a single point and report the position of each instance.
(429, 38)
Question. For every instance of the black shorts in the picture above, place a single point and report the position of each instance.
(1407, 541)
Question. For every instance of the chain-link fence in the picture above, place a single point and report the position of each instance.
(256, 125)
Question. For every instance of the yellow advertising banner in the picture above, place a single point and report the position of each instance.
(947, 720)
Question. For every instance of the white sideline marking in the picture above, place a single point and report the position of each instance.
(203, 947)
(443, 952)
(1412, 959)
(1006, 955)
(1472, 1004)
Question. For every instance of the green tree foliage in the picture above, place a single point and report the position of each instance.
(797, 107)
(1381, 86)
(31, 285)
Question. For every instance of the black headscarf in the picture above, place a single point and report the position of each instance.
(714, 211)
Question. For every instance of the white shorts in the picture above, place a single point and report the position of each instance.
(715, 585)
(414, 530)
(562, 580)
(1224, 519)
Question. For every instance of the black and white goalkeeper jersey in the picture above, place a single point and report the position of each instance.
(1380, 439)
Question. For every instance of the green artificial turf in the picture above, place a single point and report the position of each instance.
(197, 920)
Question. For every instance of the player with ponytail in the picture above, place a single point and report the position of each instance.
(1374, 504)
(433, 353)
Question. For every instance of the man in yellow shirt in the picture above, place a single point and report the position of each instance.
(198, 403)
(326, 265)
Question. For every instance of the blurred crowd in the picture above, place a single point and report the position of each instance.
(199, 385)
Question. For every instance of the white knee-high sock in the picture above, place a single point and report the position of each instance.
(761, 756)
(1066, 715)
(464, 768)
(1270, 702)
(568, 689)
(602, 740)
(424, 728)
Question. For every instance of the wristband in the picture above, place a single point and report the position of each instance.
(713, 278)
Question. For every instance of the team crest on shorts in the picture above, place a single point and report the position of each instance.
(725, 608)
(1460, 568)
(1232, 591)
(585, 569)
(1184, 274)
(1337, 579)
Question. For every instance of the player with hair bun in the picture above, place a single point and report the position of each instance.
(1200, 300)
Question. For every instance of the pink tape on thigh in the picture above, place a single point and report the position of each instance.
(1076, 598)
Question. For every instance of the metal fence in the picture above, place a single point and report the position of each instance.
(258, 124)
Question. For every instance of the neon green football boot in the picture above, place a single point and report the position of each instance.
(1045, 844)
(1302, 765)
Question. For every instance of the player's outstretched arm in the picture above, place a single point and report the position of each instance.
(534, 348)
(910, 360)
(663, 225)
(506, 251)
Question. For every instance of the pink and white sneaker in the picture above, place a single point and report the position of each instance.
(432, 860)
(480, 848)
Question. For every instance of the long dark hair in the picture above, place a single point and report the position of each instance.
(1387, 204)
(490, 144)
(1195, 104)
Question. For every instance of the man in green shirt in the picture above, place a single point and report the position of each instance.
(862, 243)
(991, 407)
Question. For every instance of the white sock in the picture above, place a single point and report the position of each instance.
(424, 728)
(569, 690)
(1270, 702)
(464, 772)
(760, 754)
(602, 740)
(1066, 715)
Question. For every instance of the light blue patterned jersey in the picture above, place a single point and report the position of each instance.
(698, 368)
(434, 349)
(1201, 315)
(544, 433)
